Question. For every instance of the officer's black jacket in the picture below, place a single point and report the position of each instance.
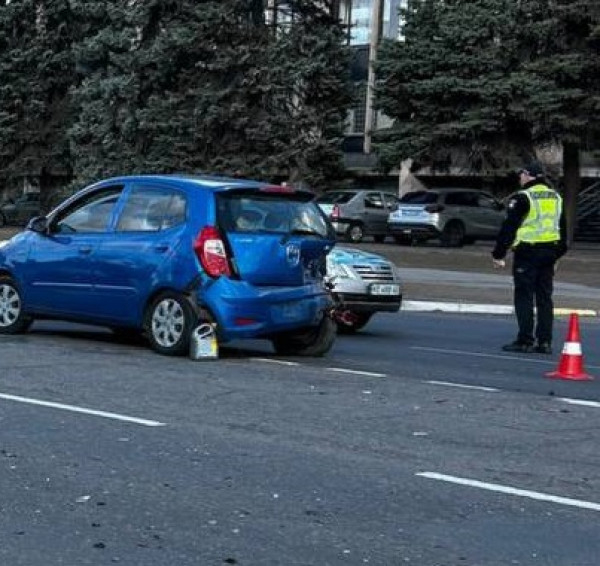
(516, 211)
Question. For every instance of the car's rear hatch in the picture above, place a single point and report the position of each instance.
(329, 200)
(416, 207)
(275, 236)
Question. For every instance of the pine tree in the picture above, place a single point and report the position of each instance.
(36, 70)
(493, 78)
(308, 70)
(562, 62)
(451, 86)
(207, 86)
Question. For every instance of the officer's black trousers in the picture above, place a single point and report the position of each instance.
(533, 274)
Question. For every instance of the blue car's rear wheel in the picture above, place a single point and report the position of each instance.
(169, 323)
(12, 317)
(311, 341)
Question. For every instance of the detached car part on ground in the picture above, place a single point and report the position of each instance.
(161, 254)
(455, 216)
(363, 284)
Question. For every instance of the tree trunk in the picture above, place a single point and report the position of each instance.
(572, 183)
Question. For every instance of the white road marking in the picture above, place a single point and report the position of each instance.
(482, 355)
(472, 308)
(512, 491)
(462, 385)
(524, 358)
(339, 370)
(582, 402)
(357, 372)
(272, 361)
(83, 410)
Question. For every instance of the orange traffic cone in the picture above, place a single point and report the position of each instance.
(571, 359)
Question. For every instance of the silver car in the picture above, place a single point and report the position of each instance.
(356, 213)
(362, 284)
(455, 216)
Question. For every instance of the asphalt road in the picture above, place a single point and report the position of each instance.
(415, 442)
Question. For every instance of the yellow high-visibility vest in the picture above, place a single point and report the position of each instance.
(542, 223)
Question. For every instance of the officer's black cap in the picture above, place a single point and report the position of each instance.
(533, 169)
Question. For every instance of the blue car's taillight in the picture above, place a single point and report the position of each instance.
(210, 250)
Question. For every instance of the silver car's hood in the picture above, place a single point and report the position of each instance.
(350, 256)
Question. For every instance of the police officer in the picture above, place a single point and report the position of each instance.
(535, 229)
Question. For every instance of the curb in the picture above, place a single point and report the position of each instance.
(478, 308)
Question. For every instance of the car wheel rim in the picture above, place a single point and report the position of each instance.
(10, 305)
(356, 233)
(168, 323)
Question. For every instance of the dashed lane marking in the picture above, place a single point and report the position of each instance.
(272, 361)
(339, 370)
(523, 358)
(512, 491)
(582, 402)
(463, 386)
(357, 372)
(84, 410)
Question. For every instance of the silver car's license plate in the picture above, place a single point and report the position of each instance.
(410, 212)
(384, 289)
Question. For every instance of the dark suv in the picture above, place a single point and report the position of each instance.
(20, 210)
(454, 215)
(163, 253)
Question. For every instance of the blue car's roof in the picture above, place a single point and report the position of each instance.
(203, 181)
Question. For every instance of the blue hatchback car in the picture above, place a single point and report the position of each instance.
(163, 253)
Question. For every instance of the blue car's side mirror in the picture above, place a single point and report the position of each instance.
(38, 224)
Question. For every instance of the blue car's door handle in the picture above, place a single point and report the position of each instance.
(161, 247)
(85, 250)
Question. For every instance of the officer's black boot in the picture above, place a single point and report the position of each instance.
(518, 346)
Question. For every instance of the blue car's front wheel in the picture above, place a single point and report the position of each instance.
(12, 317)
(169, 323)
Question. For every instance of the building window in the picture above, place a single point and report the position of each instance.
(357, 115)
(356, 15)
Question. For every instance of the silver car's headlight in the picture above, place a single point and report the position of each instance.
(396, 272)
(340, 270)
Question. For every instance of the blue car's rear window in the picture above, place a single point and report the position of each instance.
(255, 212)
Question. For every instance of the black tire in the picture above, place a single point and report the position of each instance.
(168, 324)
(355, 233)
(312, 341)
(453, 235)
(404, 240)
(2, 220)
(13, 319)
(379, 238)
(353, 322)
(128, 334)
(123, 331)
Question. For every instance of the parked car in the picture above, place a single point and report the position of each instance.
(160, 254)
(363, 284)
(356, 213)
(456, 216)
(20, 210)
